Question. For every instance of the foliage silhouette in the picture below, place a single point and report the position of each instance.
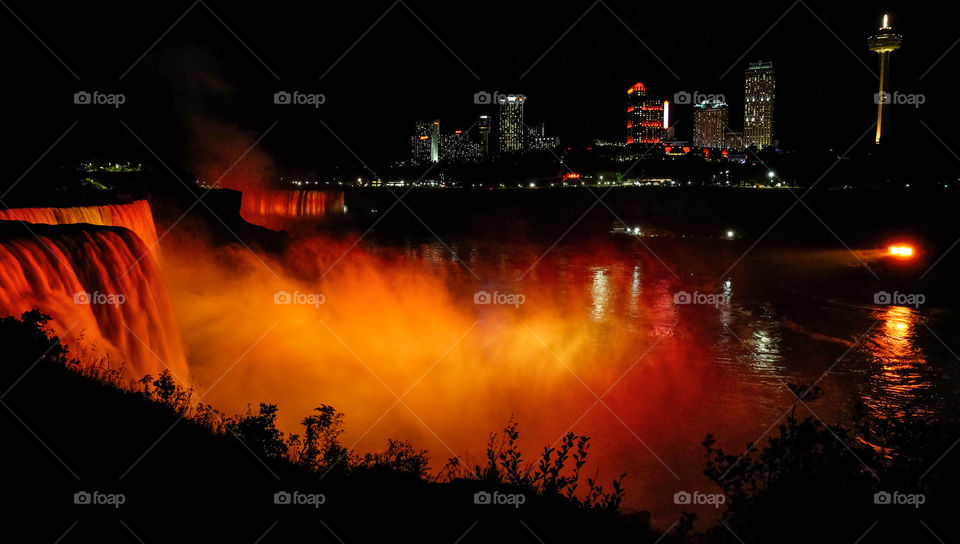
(813, 478)
(214, 478)
(809, 480)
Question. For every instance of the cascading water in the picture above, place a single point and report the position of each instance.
(276, 209)
(135, 216)
(104, 297)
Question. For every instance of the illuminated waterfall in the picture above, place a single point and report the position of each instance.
(276, 209)
(135, 216)
(104, 298)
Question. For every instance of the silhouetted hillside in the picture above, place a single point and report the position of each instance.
(206, 478)
(104, 460)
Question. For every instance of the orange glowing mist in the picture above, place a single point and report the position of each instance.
(394, 339)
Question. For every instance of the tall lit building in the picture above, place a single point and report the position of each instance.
(884, 42)
(484, 124)
(425, 142)
(435, 142)
(647, 118)
(510, 128)
(758, 102)
(709, 124)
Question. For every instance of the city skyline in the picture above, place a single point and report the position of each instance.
(648, 119)
(580, 100)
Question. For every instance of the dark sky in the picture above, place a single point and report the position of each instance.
(222, 62)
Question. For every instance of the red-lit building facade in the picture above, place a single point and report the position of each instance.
(647, 118)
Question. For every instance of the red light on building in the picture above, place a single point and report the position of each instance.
(629, 140)
(629, 109)
(629, 124)
(637, 87)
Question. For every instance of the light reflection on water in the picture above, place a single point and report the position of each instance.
(602, 291)
(894, 349)
(633, 310)
(719, 368)
(745, 336)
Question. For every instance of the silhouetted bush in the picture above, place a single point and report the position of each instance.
(813, 479)
(259, 432)
(551, 476)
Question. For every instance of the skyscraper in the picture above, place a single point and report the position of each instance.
(884, 42)
(435, 142)
(510, 128)
(423, 142)
(758, 102)
(483, 125)
(709, 124)
(647, 118)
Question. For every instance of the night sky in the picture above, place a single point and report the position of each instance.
(220, 64)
